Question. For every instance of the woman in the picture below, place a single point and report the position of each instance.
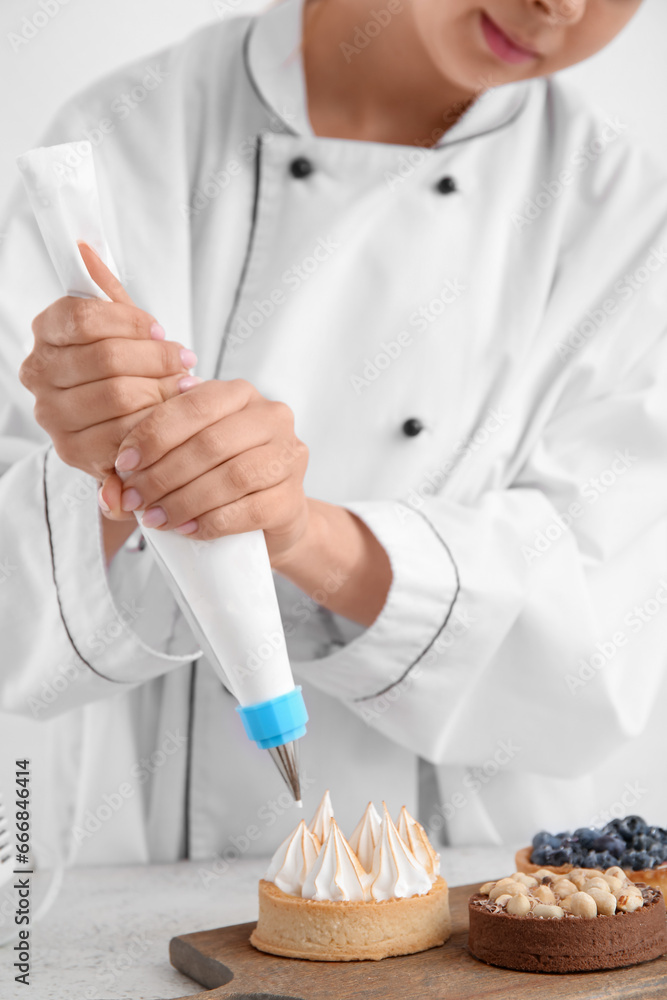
(425, 289)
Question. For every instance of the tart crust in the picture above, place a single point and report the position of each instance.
(342, 931)
(569, 944)
(655, 877)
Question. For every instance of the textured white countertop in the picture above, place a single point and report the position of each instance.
(107, 935)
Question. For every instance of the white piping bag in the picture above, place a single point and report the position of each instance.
(225, 586)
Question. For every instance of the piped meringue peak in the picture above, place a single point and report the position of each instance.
(295, 857)
(396, 873)
(414, 835)
(337, 873)
(381, 861)
(320, 824)
(366, 835)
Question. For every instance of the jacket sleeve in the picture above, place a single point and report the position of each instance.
(71, 632)
(537, 612)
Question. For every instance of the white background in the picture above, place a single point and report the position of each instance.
(85, 40)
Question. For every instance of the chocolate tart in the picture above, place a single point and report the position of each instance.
(570, 944)
(343, 931)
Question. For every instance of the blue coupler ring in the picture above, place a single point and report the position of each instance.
(275, 722)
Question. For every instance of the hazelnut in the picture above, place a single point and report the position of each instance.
(583, 905)
(509, 886)
(486, 888)
(527, 880)
(596, 883)
(518, 906)
(564, 887)
(604, 900)
(629, 902)
(505, 898)
(616, 872)
(613, 881)
(545, 894)
(545, 910)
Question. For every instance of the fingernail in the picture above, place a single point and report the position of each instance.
(188, 382)
(189, 358)
(102, 502)
(188, 528)
(154, 518)
(131, 499)
(127, 460)
(157, 332)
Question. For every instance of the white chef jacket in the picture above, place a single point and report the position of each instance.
(515, 677)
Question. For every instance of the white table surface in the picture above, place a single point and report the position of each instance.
(107, 935)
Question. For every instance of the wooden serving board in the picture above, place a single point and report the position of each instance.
(224, 961)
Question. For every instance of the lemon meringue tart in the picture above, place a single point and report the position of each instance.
(328, 899)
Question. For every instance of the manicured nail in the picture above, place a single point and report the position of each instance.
(154, 518)
(131, 499)
(157, 332)
(188, 528)
(102, 502)
(127, 460)
(189, 358)
(188, 382)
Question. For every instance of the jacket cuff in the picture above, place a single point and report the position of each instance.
(124, 641)
(420, 604)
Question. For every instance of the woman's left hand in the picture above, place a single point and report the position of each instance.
(219, 459)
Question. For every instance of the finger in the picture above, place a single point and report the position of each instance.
(102, 276)
(251, 513)
(100, 443)
(109, 499)
(251, 472)
(214, 445)
(71, 321)
(98, 402)
(181, 418)
(117, 356)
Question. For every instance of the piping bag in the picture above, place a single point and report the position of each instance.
(224, 586)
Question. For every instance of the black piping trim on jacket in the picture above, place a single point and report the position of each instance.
(246, 262)
(457, 591)
(55, 582)
(188, 761)
(434, 149)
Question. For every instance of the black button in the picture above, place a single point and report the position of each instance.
(413, 427)
(301, 167)
(446, 185)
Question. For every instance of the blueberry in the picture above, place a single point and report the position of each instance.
(542, 855)
(636, 824)
(563, 835)
(609, 842)
(659, 852)
(545, 838)
(586, 835)
(606, 860)
(590, 860)
(641, 842)
(562, 856)
(636, 860)
(657, 834)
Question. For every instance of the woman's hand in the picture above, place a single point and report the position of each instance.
(219, 459)
(96, 369)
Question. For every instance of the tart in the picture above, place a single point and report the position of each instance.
(325, 900)
(639, 849)
(589, 921)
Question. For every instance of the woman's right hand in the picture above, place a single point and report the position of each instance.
(96, 369)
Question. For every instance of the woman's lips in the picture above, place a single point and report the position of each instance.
(502, 46)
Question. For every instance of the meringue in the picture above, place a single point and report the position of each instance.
(293, 860)
(337, 873)
(320, 824)
(366, 836)
(414, 835)
(396, 872)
